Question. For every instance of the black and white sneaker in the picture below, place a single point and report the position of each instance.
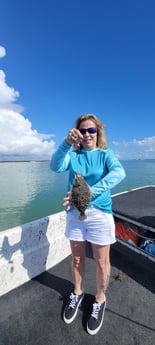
(96, 318)
(71, 308)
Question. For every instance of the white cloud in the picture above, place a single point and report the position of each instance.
(150, 141)
(17, 138)
(2, 51)
(7, 94)
(133, 149)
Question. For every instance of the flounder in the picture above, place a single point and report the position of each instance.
(80, 195)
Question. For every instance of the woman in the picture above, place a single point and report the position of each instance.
(85, 151)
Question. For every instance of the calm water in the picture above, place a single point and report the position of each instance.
(30, 190)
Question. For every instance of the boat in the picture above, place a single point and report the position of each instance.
(35, 281)
(134, 215)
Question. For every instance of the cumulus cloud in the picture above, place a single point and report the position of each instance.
(18, 138)
(7, 94)
(133, 149)
(150, 141)
(2, 51)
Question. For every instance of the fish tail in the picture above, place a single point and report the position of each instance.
(82, 216)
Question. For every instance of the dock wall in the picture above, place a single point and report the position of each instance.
(28, 250)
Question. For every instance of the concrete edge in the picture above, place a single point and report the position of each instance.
(30, 249)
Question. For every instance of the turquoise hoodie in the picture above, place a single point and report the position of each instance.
(100, 168)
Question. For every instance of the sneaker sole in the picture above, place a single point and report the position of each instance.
(93, 332)
(68, 321)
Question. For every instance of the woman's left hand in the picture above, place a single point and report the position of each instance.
(74, 137)
(68, 201)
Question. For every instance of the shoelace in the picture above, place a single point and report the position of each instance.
(96, 309)
(74, 300)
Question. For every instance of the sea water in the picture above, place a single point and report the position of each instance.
(30, 190)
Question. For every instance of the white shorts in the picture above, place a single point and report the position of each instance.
(98, 227)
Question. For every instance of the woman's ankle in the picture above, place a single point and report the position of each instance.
(100, 299)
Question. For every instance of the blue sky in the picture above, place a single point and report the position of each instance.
(60, 59)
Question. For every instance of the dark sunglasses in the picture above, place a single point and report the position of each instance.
(90, 130)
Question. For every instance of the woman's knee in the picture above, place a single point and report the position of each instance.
(102, 263)
(78, 261)
(101, 256)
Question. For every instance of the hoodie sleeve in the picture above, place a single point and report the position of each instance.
(115, 175)
(61, 158)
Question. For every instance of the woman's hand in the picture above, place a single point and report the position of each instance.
(74, 137)
(68, 201)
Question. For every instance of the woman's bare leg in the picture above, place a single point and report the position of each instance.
(102, 259)
(78, 264)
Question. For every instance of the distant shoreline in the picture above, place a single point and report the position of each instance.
(48, 160)
(26, 161)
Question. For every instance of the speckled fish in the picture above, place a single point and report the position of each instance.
(81, 195)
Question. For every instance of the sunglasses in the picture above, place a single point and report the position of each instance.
(90, 130)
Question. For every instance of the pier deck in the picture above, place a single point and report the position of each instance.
(32, 313)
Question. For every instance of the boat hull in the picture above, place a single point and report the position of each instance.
(134, 215)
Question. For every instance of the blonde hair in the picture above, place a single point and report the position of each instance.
(101, 137)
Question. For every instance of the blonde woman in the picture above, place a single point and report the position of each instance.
(85, 151)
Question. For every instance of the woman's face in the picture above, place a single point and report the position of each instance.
(89, 140)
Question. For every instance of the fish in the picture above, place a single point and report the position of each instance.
(80, 195)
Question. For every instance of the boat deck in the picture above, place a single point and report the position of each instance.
(32, 313)
(137, 205)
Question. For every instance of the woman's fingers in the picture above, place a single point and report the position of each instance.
(74, 136)
(67, 201)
